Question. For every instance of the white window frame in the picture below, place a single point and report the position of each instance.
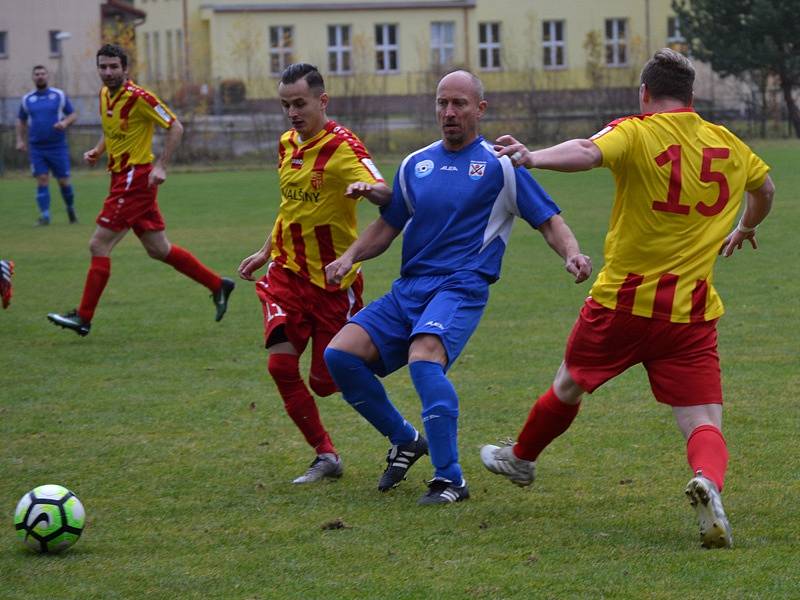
(677, 36)
(617, 44)
(282, 52)
(338, 50)
(156, 57)
(490, 45)
(387, 49)
(443, 51)
(148, 56)
(550, 46)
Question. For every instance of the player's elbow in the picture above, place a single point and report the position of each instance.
(177, 128)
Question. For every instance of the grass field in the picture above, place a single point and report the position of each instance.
(167, 427)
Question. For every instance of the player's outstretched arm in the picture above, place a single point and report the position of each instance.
(561, 239)
(377, 193)
(757, 207)
(171, 141)
(569, 156)
(255, 261)
(90, 157)
(22, 135)
(372, 242)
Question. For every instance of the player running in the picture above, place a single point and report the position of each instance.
(323, 169)
(129, 113)
(680, 182)
(455, 201)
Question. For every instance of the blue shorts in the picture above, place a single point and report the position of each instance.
(55, 159)
(448, 306)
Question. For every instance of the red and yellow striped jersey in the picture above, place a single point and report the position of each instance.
(128, 119)
(680, 182)
(316, 222)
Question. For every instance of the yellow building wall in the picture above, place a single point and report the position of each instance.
(225, 44)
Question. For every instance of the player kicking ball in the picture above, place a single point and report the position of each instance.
(129, 113)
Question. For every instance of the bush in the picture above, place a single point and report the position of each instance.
(232, 91)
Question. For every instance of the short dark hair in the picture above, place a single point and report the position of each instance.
(309, 72)
(113, 51)
(38, 67)
(669, 74)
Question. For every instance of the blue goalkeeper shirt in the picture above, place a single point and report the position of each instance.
(458, 209)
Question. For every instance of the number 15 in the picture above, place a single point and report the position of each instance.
(673, 203)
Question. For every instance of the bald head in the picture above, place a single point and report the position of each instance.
(464, 81)
(459, 107)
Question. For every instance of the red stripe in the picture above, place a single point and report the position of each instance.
(127, 107)
(123, 161)
(281, 154)
(299, 245)
(665, 295)
(143, 94)
(627, 292)
(351, 138)
(326, 152)
(281, 259)
(699, 297)
(327, 253)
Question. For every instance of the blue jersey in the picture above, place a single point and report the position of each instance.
(42, 109)
(458, 208)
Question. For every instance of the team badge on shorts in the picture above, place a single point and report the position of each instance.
(476, 169)
(423, 169)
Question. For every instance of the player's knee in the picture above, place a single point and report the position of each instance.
(322, 386)
(284, 367)
(156, 251)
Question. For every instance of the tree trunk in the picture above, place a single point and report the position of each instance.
(791, 107)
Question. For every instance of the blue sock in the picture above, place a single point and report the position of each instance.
(440, 417)
(68, 195)
(362, 390)
(43, 200)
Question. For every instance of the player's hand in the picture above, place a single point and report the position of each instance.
(250, 265)
(580, 266)
(735, 240)
(358, 189)
(506, 145)
(90, 157)
(22, 146)
(158, 175)
(336, 270)
(59, 125)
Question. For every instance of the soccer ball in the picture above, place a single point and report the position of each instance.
(49, 518)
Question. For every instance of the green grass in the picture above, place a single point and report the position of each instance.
(168, 428)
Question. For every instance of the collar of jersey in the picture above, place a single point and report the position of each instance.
(477, 141)
(326, 129)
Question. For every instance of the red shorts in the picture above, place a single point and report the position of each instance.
(681, 358)
(306, 311)
(131, 203)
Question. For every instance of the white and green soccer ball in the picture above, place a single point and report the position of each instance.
(49, 518)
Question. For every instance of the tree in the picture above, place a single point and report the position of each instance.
(743, 37)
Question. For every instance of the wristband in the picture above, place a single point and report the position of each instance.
(741, 228)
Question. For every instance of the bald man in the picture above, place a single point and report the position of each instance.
(455, 201)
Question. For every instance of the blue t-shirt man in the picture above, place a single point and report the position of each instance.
(44, 115)
(455, 203)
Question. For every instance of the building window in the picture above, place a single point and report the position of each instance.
(3, 44)
(170, 56)
(281, 40)
(148, 56)
(156, 57)
(442, 44)
(179, 53)
(553, 46)
(55, 43)
(489, 46)
(339, 50)
(386, 48)
(674, 35)
(616, 42)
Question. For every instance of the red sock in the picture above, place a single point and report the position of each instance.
(185, 262)
(299, 404)
(706, 451)
(548, 419)
(96, 280)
